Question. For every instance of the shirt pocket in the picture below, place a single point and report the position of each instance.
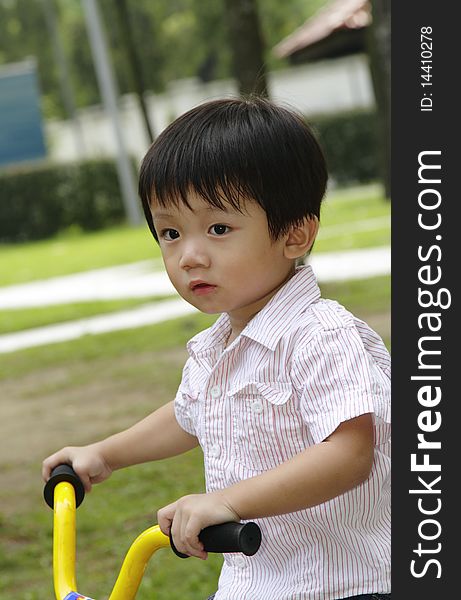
(259, 419)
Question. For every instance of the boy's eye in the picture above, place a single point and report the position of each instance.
(219, 229)
(170, 234)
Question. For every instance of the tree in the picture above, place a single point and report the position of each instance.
(247, 45)
(174, 39)
(126, 29)
(379, 51)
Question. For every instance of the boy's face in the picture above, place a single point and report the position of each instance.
(221, 260)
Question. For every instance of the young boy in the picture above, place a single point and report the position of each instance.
(288, 394)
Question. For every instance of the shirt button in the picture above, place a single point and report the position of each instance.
(322, 306)
(257, 407)
(215, 450)
(215, 391)
(239, 562)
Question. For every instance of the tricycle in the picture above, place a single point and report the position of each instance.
(64, 492)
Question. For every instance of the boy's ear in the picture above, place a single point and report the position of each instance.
(301, 237)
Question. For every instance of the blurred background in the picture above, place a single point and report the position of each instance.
(92, 335)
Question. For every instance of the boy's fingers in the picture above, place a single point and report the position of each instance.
(83, 471)
(165, 526)
(165, 517)
(45, 473)
(184, 530)
(188, 536)
(48, 465)
(85, 479)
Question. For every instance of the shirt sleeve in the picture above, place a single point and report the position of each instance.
(185, 404)
(338, 380)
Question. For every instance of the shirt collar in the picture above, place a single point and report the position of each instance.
(284, 308)
(268, 326)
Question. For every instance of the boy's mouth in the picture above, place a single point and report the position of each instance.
(201, 287)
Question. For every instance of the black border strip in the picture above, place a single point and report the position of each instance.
(424, 298)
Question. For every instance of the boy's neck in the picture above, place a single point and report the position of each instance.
(240, 319)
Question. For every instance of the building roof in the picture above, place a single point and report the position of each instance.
(337, 16)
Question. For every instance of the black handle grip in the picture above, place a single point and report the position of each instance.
(63, 473)
(228, 537)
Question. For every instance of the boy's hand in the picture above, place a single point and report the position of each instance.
(87, 462)
(186, 517)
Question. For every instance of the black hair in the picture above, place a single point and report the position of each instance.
(232, 150)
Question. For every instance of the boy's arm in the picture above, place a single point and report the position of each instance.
(318, 474)
(157, 436)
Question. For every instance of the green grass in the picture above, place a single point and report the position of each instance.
(361, 296)
(143, 366)
(355, 218)
(108, 521)
(112, 346)
(345, 205)
(137, 363)
(20, 319)
(67, 254)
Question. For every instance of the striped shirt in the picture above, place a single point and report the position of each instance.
(302, 366)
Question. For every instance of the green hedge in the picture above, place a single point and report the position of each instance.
(38, 202)
(349, 140)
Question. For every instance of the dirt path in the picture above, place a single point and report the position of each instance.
(46, 410)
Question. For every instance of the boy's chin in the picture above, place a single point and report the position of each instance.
(211, 311)
(206, 310)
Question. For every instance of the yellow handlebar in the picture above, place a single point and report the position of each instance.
(134, 565)
(64, 543)
(64, 540)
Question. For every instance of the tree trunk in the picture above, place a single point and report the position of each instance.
(379, 51)
(135, 64)
(247, 46)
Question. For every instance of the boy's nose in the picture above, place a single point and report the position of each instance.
(193, 256)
